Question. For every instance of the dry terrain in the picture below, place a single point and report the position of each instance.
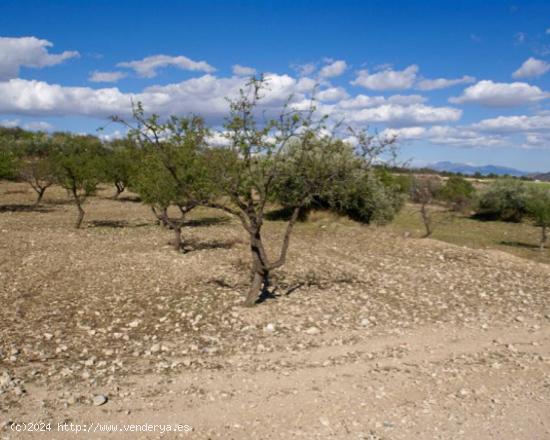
(370, 335)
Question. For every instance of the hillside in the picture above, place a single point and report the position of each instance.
(471, 169)
(370, 335)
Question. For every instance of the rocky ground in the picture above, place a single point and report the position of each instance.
(371, 335)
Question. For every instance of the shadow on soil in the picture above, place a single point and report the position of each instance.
(192, 245)
(116, 224)
(24, 208)
(519, 244)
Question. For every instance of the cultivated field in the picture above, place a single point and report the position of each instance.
(371, 334)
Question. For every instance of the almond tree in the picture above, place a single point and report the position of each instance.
(79, 161)
(170, 170)
(119, 164)
(37, 166)
(263, 157)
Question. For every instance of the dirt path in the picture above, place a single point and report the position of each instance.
(431, 383)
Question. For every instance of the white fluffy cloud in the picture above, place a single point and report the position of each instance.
(335, 68)
(403, 115)
(363, 101)
(532, 68)
(243, 70)
(515, 124)
(98, 77)
(205, 95)
(443, 83)
(491, 94)
(447, 135)
(148, 67)
(387, 79)
(332, 94)
(27, 52)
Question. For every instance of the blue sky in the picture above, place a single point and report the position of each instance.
(464, 81)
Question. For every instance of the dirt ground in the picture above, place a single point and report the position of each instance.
(371, 334)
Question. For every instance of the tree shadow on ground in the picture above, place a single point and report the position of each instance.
(24, 208)
(519, 244)
(193, 245)
(268, 294)
(207, 221)
(116, 224)
(126, 199)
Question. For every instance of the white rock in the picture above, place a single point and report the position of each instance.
(269, 328)
(99, 400)
(313, 331)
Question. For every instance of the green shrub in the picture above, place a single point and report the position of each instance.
(504, 200)
(458, 192)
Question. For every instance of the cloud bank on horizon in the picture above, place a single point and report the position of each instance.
(397, 100)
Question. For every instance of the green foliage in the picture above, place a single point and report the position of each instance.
(11, 142)
(79, 164)
(120, 163)
(9, 162)
(504, 200)
(458, 192)
(171, 164)
(373, 199)
(538, 205)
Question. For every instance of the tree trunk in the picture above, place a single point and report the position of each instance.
(426, 220)
(80, 217)
(259, 271)
(40, 193)
(119, 189)
(543, 237)
(255, 290)
(177, 237)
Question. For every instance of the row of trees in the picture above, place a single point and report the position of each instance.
(295, 160)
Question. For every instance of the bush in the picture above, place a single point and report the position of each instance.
(504, 200)
(373, 200)
(458, 192)
(538, 209)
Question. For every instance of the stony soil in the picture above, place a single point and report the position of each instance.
(370, 335)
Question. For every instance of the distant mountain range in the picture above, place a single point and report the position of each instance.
(462, 168)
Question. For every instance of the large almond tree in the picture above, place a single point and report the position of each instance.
(292, 157)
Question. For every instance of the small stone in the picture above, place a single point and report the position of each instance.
(365, 322)
(99, 400)
(155, 348)
(18, 391)
(520, 318)
(269, 328)
(463, 392)
(313, 331)
(324, 421)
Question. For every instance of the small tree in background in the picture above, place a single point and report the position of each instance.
(79, 164)
(459, 193)
(538, 208)
(172, 170)
(504, 200)
(121, 157)
(424, 191)
(37, 166)
(12, 141)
